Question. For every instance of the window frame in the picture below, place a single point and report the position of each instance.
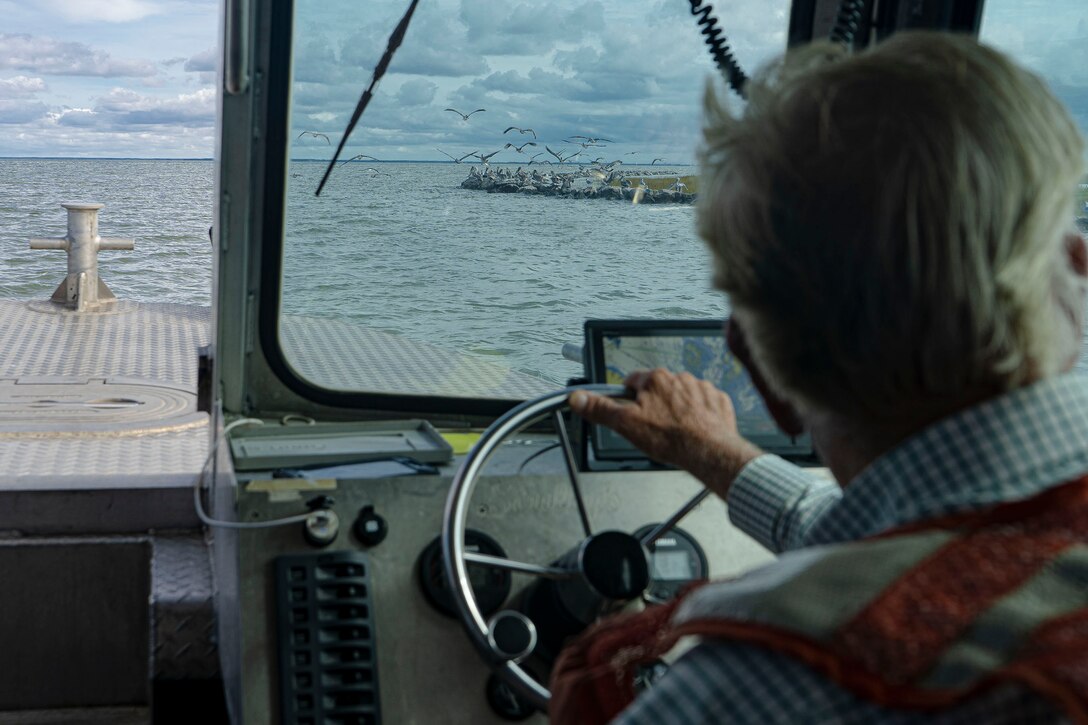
(265, 238)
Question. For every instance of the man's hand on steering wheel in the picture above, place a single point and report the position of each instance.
(675, 419)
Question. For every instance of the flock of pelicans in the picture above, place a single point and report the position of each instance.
(587, 183)
(594, 179)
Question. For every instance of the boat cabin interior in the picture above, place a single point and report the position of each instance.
(382, 509)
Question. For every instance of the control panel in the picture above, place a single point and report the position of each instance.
(421, 667)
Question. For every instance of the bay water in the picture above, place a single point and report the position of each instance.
(398, 247)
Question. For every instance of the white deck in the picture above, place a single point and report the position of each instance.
(154, 344)
(62, 426)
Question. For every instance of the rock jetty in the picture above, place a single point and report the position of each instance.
(582, 184)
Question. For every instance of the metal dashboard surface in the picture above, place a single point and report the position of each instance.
(427, 668)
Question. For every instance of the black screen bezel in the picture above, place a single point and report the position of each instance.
(799, 448)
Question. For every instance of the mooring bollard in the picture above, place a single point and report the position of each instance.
(83, 289)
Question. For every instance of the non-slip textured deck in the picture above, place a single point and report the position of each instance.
(158, 344)
(154, 343)
(342, 356)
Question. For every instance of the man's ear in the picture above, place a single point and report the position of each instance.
(784, 414)
(1076, 252)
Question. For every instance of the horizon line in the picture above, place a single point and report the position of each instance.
(211, 158)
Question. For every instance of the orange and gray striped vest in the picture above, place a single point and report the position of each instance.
(920, 618)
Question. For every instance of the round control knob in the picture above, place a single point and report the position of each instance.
(370, 527)
(321, 527)
(511, 635)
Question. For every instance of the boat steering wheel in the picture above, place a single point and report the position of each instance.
(606, 567)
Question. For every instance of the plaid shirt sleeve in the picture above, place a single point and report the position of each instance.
(737, 683)
(776, 502)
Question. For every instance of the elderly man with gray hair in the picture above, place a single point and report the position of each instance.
(894, 231)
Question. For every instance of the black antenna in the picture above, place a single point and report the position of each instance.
(847, 22)
(718, 46)
(379, 70)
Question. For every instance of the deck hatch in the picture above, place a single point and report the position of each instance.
(58, 405)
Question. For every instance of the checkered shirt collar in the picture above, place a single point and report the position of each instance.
(1006, 449)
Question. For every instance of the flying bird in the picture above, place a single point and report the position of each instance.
(315, 134)
(522, 131)
(533, 158)
(593, 139)
(454, 158)
(656, 160)
(559, 157)
(464, 116)
(583, 144)
(519, 148)
(484, 157)
(360, 157)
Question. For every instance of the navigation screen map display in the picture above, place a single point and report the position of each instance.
(616, 348)
(704, 357)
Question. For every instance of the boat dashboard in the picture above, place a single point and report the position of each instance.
(358, 624)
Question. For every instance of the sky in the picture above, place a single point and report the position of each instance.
(137, 78)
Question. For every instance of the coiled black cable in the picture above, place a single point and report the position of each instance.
(847, 22)
(719, 46)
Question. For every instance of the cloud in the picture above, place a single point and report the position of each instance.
(98, 11)
(416, 92)
(18, 112)
(207, 60)
(420, 54)
(432, 61)
(78, 117)
(500, 27)
(20, 87)
(125, 107)
(54, 57)
(590, 87)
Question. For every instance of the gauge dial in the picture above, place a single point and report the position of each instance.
(676, 559)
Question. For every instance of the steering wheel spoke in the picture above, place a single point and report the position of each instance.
(499, 562)
(572, 470)
(606, 566)
(667, 525)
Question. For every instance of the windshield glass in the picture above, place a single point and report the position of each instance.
(398, 265)
(483, 209)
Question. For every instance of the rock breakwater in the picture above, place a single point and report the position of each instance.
(583, 184)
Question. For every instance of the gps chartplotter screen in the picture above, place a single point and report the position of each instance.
(616, 348)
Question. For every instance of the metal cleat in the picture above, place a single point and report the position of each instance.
(83, 290)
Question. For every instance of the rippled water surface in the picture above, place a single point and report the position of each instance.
(509, 277)
(405, 250)
(166, 206)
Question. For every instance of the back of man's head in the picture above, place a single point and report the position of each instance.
(889, 225)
